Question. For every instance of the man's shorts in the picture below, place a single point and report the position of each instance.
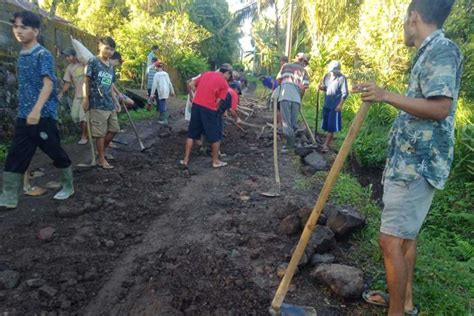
(77, 111)
(332, 120)
(406, 205)
(205, 121)
(103, 122)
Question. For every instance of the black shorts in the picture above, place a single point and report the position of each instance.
(205, 121)
(27, 138)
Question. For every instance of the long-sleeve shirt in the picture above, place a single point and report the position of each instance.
(336, 90)
(162, 84)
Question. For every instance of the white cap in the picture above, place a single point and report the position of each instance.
(334, 65)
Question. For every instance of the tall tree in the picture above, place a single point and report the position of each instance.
(213, 15)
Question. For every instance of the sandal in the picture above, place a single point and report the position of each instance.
(220, 165)
(324, 149)
(107, 166)
(183, 165)
(414, 311)
(367, 295)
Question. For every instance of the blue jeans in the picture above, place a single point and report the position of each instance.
(161, 106)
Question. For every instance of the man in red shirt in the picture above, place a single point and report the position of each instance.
(210, 91)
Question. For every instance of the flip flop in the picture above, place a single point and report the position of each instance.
(220, 165)
(183, 165)
(414, 311)
(107, 167)
(368, 294)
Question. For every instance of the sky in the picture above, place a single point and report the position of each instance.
(245, 40)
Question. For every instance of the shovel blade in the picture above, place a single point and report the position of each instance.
(271, 194)
(35, 191)
(294, 310)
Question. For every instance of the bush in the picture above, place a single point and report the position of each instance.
(190, 65)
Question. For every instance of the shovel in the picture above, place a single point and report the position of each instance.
(30, 190)
(277, 190)
(140, 143)
(277, 307)
(89, 136)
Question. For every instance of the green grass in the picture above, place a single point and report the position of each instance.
(137, 115)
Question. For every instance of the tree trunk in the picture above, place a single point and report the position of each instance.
(52, 11)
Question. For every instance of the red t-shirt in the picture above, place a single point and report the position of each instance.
(235, 98)
(210, 86)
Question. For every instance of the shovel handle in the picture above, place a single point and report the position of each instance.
(318, 207)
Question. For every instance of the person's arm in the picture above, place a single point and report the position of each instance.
(34, 117)
(66, 87)
(433, 108)
(344, 94)
(171, 86)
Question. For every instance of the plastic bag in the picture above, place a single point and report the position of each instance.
(187, 110)
(82, 53)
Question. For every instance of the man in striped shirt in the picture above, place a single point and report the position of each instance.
(294, 81)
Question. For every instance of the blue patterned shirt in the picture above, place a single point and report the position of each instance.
(423, 147)
(33, 65)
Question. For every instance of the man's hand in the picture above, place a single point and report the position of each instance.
(85, 104)
(370, 92)
(173, 94)
(238, 120)
(338, 108)
(118, 108)
(322, 87)
(33, 118)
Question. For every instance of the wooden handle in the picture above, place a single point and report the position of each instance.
(307, 127)
(89, 136)
(318, 207)
(275, 144)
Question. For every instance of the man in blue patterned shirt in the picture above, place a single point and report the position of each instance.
(36, 124)
(421, 145)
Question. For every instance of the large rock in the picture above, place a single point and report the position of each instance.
(304, 214)
(303, 151)
(291, 205)
(290, 225)
(316, 161)
(9, 279)
(343, 280)
(343, 220)
(322, 240)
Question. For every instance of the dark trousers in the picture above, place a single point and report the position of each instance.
(27, 138)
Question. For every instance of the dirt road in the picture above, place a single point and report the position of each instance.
(147, 239)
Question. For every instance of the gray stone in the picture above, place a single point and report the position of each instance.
(290, 225)
(316, 161)
(345, 281)
(322, 258)
(46, 233)
(304, 214)
(303, 151)
(322, 240)
(9, 279)
(343, 220)
(109, 244)
(303, 260)
(35, 283)
(48, 291)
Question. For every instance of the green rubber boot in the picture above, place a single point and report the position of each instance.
(164, 118)
(11, 185)
(68, 188)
